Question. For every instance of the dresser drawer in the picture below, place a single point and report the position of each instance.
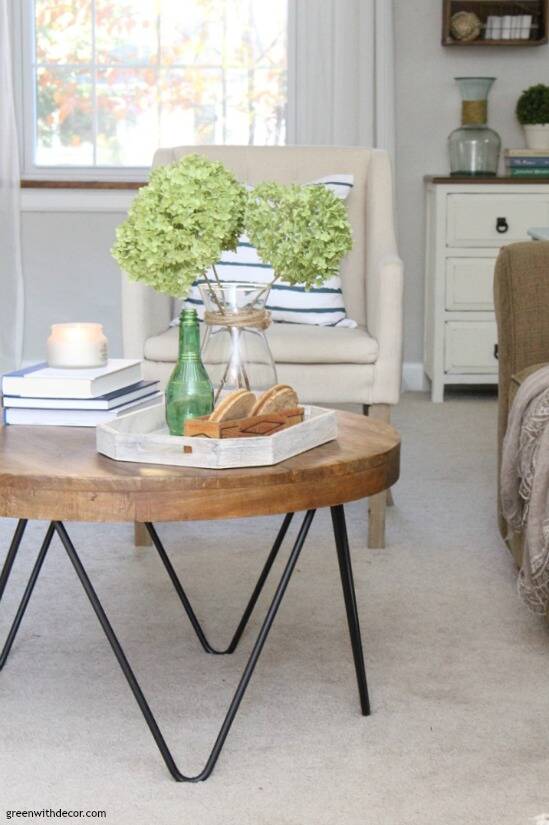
(469, 283)
(473, 220)
(470, 347)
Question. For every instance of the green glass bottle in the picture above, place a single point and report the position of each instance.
(189, 393)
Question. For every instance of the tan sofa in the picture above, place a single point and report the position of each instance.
(521, 293)
(324, 364)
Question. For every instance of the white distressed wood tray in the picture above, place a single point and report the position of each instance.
(143, 436)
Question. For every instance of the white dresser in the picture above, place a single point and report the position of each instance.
(467, 221)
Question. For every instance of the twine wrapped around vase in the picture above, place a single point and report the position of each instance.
(251, 318)
(474, 112)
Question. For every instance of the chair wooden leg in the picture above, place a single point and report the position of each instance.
(377, 504)
(376, 520)
(141, 536)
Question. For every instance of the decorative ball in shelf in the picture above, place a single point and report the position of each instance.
(465, 25)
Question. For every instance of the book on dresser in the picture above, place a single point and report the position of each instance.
(527, 163)
(76, 397)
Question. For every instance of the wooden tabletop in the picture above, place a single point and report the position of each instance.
(55, 473)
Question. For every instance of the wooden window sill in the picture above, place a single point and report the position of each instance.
(81, 184)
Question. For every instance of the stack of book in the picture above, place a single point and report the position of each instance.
(527, 163)
(508, 27)
(76, 397)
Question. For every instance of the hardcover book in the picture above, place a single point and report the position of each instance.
(526, 153)
(529, 172)
(103, 402)
(77, 418)
(41, 381)
(537, 162)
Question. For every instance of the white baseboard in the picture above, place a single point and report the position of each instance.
(413, 377)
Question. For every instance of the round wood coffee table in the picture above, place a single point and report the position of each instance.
(55, 474)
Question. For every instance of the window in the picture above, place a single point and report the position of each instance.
(112, 80)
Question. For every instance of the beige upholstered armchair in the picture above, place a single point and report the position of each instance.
(324, 364)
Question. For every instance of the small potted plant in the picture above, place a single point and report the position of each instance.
(533, 114)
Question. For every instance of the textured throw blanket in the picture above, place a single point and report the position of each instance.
(525, 485)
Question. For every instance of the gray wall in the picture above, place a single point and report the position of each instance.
(68, 269)
(69, 275)
(428, 108)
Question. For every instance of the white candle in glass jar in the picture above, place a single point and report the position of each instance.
(77, 345)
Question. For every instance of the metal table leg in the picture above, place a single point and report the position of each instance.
(249, 607)
(347, 582)
(342, 546)
(134, 684)
(12, 553)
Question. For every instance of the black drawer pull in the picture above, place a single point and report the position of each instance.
(496, 351)
(501, 225)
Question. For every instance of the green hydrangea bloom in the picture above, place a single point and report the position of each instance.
(179, 224)
(303, 232)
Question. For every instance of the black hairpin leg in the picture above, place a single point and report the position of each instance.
(249, 607)
(130, 676)
(346, 571)
(340, 534)
(12, 553)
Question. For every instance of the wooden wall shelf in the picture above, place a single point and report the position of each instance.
(500, 8)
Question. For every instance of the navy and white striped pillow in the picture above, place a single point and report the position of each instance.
(321, 306)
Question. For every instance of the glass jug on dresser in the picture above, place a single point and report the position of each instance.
(474, 148)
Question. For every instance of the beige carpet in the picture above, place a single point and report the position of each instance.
(458, 669)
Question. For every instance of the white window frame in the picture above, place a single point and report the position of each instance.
(22, 18)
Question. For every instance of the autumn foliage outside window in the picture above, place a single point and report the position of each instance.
(115, 79)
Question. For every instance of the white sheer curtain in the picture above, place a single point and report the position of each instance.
(341, 73)
(11, 276)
